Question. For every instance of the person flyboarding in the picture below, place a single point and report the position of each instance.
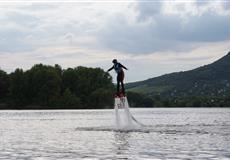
(121, 102)
(120, 76)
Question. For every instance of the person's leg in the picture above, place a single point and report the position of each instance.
(122, 87)
(118, 84)
(122, 83)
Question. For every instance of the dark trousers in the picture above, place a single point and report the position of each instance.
(120, 79)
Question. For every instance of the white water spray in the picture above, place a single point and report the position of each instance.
(123, 117)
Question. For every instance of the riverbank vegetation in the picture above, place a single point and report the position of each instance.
(51, 87)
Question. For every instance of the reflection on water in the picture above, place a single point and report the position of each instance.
(189, 133)
(121, 143)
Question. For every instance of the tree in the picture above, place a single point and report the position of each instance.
(51, 87)
(45, 85)
(101, 98)
(139, 100)
(70, 100)
(4, 85)
(17, 89)
(83, 82)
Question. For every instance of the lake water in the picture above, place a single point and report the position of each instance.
(171, 133)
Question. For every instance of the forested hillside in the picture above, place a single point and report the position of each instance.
(208, 85)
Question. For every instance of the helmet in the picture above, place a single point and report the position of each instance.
(114, 61)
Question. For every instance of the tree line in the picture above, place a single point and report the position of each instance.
(51, 87)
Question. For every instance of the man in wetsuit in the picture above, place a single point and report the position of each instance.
(120, 75)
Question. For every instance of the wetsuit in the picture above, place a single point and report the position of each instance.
(120, 76)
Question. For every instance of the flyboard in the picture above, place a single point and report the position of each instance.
(124, 120)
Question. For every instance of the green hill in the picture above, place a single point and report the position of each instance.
(208, 80)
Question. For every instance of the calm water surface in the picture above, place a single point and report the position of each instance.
(186, 133)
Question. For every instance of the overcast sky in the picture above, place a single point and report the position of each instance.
(150, 38)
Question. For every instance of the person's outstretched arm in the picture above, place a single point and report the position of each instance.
(123, 67)
(110, 69)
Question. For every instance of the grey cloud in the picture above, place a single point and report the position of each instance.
(24, 31)
(202, 2)
(226, 5)
(23, 19)
(151, 32)
(40, 6)
(166, 32)
(208, 27)
(148, 9)
(18, 27)
(136, 38)
(12, 40)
